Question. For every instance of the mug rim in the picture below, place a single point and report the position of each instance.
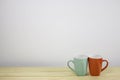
(81, 57)
(96, 57)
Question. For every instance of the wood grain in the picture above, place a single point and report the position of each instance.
(53, 73)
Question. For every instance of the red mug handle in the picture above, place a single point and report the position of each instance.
(106, 64)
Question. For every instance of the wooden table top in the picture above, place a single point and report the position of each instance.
(53, 73)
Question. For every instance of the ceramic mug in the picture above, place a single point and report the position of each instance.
(95, 65)
(80, 65)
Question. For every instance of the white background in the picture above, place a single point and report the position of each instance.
(51, 32)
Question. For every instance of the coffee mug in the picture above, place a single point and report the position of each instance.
(80, 65)
(95, 65)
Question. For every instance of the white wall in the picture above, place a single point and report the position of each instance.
(50, 32)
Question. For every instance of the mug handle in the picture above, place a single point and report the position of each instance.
(106, 64)
(68, 64)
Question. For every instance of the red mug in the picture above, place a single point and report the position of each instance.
(95, 65)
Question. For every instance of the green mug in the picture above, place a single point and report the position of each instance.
(80, 65)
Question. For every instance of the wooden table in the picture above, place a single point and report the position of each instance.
(53, 73)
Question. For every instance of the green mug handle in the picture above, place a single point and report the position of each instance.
(68, 64)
